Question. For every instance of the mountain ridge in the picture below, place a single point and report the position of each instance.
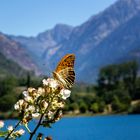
(103, 39)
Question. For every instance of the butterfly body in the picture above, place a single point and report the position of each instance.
(64, 72)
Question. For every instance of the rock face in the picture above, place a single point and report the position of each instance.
(14, 51)
(109, 37)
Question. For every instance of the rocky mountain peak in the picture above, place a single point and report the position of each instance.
(59, 33)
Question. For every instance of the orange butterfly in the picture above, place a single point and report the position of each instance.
(64, 72)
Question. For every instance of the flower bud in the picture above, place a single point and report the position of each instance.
(28, 99)
(1, 124)
(10, 128)
(21, 132)
(25, 93)
(35, 115)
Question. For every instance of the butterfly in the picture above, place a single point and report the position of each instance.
(64, 72)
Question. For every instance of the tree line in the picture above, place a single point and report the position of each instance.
(117, 90)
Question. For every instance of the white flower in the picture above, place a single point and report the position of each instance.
(50, 82)
(25, 93)
(28, 99)
(1, 124)
(45, 104)
(65, 93)
(40, 91)
(35, 115)
(18, 104)
(10, 128)
(30, 108)
(31, 89)
(21, 132)
(45, 82)
(50, 114)
(21, 102)
(53, 83)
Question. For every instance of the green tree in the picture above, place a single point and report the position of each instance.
(94, 108)
(7, 85)
(7, 102)
(7, 93)
(28, 80)
(119, 104)
(73, 107)
(108, 77)
(129, 72)
(83, 107)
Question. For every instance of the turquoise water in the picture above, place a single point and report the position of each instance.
(125, 127)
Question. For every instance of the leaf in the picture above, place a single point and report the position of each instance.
(3, 133)
(46, 124)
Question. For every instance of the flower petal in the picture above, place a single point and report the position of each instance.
(65, 93)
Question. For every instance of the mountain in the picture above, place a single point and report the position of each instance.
(104, 38)
(109, 37)
(8, 67)
(44, 44)
(15, 53)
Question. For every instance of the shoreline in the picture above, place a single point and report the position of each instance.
(14, 116)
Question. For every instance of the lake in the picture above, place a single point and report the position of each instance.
(125, 127)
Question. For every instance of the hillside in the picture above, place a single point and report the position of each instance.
(15, 52)
(8, 67)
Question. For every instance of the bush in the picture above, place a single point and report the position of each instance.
(7, 92)
(73, 106)
(118, 105)
(94, 108)
(7, 85)
(7, 102)
(101, 106)
(83, 107)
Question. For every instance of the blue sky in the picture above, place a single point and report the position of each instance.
(30, 17)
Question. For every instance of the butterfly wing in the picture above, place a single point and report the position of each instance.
(66, 77)
(66, 61)
(64, 72)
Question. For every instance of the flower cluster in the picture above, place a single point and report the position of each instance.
(10, 128)
(47, 101)
(16, 133)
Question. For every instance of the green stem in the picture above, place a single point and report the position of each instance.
(26, 126)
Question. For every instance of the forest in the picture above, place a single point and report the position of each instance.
(117, 90)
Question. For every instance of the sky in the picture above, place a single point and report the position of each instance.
(30, 17)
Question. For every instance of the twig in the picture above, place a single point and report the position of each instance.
(12, 130)
(32, 133)
(40, 120)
